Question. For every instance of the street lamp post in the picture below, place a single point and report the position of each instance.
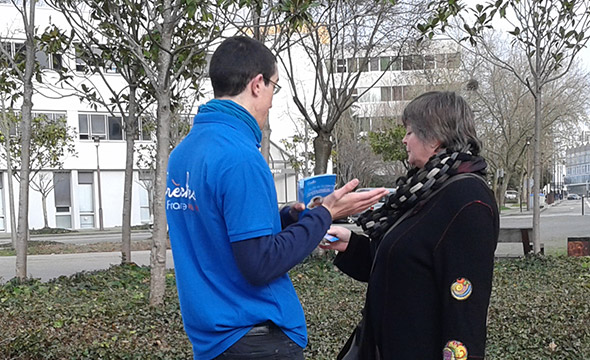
(100, 221)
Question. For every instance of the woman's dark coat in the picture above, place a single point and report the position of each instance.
(410, 310)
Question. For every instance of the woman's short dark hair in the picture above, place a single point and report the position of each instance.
(442, 116)
(237, 61)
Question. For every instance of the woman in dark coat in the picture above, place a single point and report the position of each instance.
(428, 253)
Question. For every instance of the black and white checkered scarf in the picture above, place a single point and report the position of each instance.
(417, 186)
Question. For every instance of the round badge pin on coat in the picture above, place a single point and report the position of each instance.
(461, 289)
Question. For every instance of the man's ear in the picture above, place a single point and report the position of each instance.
(256, 84)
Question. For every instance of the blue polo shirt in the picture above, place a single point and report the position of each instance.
(220, 190)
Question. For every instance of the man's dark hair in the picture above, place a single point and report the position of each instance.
(237, 61)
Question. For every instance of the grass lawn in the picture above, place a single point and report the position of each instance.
(540, 309)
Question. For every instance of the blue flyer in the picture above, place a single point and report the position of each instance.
(311, 190)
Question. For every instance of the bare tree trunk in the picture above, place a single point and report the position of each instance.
(159, 238)
(6, 130)
(495, 187)
(537, 151)
(25, 128)
(11, 195)
(44, 206)
(503, 187)
(160, 233)
(537, 171)
(322, 146)
(130, 130)
(265, 143)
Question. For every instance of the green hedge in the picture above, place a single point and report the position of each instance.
(540, 310)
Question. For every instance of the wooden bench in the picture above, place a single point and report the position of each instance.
(519, 236)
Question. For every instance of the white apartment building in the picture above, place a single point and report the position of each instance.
(408, 73)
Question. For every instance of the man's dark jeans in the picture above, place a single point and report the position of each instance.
(265, 342)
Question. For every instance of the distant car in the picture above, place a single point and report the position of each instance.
(511, 195)
(352, 219)
(573, 197)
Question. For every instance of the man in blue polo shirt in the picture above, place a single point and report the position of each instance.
(232, 248)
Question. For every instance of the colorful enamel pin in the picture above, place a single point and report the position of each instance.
(454, 350)
(461, 289)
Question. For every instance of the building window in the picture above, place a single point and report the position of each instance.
(396, 64)
(86, 199)
(384, 61)
(98, 126)
(50, 117)
(352, 65)
(363, 64)
(341, 65)
(15, 50)
(429, 62)
(146, 127)
(354, 95)
(413, 62)
(454, 60)
(397, 93)
(146, 180)
(374, 64)
(365, 124)
(63, 200)
(82, 66)
(358, 64)
(90, 125)
(49, 61)
(371, 95)
(115, 128)
(386, 93)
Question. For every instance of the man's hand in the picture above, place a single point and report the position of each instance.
(343, 202)
(295, 210)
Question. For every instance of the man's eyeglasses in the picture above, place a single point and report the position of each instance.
(276, 88)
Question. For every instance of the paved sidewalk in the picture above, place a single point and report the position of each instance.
(47, 267)
(514, 209)
(111, 230)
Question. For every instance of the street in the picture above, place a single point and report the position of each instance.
(558, 222)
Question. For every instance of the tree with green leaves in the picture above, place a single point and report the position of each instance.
(168, 41)
(51, 143)
(24, 69)
(388, 144)
(10, 92)
(98, 51)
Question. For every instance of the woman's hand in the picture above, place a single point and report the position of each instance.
(343, 235)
